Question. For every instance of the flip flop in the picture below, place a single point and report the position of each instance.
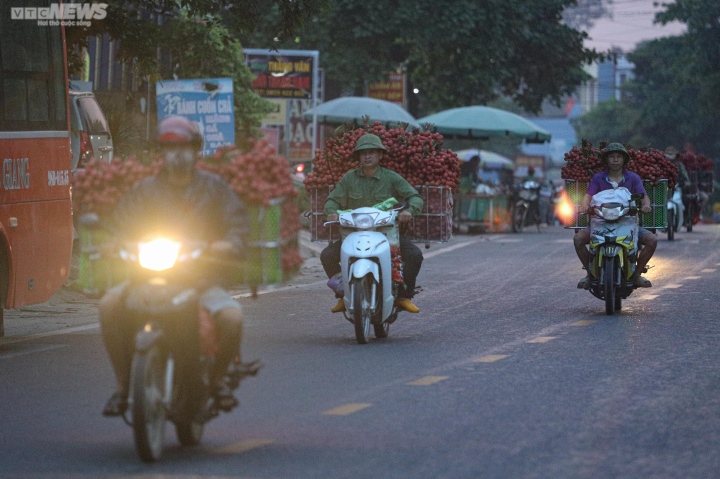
(641, 282)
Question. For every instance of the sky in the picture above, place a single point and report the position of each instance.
(632, 23)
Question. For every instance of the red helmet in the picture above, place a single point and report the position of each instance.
(177, 130)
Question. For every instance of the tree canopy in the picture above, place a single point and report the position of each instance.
(456, 52)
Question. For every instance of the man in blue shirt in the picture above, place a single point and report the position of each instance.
(616, 157)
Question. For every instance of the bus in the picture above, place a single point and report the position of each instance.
(35, 204)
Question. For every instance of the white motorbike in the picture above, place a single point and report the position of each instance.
(674, 213)
(369, 261)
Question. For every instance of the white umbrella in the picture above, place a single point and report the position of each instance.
(487, 158)
(353, 109)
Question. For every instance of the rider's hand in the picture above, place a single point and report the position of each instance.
(332, 217)
(646, 208)
(405, 216)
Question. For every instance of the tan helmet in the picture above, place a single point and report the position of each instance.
(369, 142)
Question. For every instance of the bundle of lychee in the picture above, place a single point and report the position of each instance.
(415, 155)
(649, 163)
(696, 162)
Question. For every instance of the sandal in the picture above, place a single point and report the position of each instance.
(116, 405)
(641, 282)
(584, 283)
(224, 398)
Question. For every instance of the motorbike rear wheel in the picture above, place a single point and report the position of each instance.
(382, 330)
(362, 295)
(148, 409)
(189, 431)
(690, 216)
(608, 275)
(670, 225)
(518, 218)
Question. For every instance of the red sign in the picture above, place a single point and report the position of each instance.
(392, 90)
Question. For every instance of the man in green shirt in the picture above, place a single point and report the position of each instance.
(368, 185)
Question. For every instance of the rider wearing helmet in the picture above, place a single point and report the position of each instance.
(367, 185)
(194, 204)
(616, 157)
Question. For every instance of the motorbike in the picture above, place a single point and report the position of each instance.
(691, 201)
(175, 345)
(525, 208)
(674, 214)
(369, 260)
(613, 246)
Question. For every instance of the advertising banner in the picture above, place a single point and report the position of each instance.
(207, 101)
(287, 74)
(392, 90)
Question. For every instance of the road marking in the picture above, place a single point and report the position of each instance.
(490, 358)
(427, 380)
(672, 286)
(648, 296)
(347, 409)
(584, 322)
(693, 277)
(450, 248)
(563, 241)
(32, 351)
(243, 446)
(708, 270)
(49, 333)
(541, 339)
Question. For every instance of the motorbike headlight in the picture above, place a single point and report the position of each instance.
(611, 213)
(364, 221)
(159, 254)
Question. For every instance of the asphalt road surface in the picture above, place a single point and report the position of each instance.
(508, 371)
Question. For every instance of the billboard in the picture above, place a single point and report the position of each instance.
(206, 101)
(286, 74)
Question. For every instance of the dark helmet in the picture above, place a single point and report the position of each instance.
(615, 148)
(369, 142)
(531, 170)
(177, 130)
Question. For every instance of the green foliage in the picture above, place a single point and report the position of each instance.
(610, 121)
(457, 52)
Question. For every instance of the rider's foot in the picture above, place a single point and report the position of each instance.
(585, 282)
(641, 282)
(407, 305)
(339, 307)
(116, 405)
(224, 398)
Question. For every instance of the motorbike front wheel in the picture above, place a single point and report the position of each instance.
(362, 307)
(671, 225)
(608, 275)
(148, 408)
(518, 218)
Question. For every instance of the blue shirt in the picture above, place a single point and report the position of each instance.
(630, 180)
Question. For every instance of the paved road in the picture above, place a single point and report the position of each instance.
(508, 372)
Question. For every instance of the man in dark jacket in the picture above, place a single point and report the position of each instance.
(191, 204)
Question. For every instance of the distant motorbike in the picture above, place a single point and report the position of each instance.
(370, 262)
(691, 201)
(175, 344)
(674, 214)
(613, 246)
(525, 207)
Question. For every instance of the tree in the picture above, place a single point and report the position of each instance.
(195, 38)
(585, 12)
(457, 52)
(608, 122)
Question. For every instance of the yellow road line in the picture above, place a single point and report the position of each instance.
(672, 286)
(693, 277)
(648, 296)
(584, 322)
(490, 358)
(243, 446)
(427, 380)
(346, 409)
(542, 339)
(708, 270)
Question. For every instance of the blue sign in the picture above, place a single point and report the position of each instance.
(206, 101)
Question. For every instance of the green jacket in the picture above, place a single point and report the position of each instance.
(355, 190)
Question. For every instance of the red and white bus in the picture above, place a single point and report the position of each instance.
(35, 204)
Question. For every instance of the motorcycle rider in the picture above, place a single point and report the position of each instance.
(201, 206)
(616, 158)
(368, 185)
(671, 153)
